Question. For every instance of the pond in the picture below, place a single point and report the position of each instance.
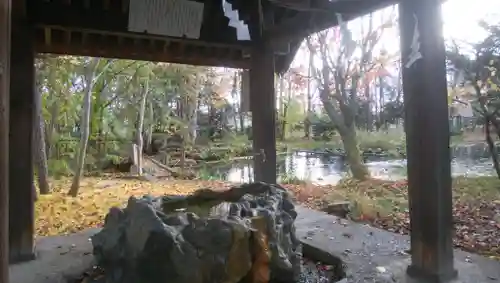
(328, 169)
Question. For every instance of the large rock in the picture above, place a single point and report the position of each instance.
(245, 234)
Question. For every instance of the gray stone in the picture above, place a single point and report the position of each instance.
(339, 208)
(60, 259)
(370, 255)
(211, 236)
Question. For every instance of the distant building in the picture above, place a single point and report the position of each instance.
(461, 114)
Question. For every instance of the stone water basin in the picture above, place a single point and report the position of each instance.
(244, 234)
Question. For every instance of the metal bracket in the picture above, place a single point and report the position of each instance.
(263, 154)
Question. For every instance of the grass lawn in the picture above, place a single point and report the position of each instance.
(381, 203)
(384, 204)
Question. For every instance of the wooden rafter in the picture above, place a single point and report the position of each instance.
(305, 23)
(59, 40)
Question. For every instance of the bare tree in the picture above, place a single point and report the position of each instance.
(40, 149)
(90, 77)
(140, 126)
(281, 98)
(149, 134)
(344, 65)
(478, 75)
(308, 110)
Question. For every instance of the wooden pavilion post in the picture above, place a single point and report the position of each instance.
(5, 6)
(263, 108)
(427, 138)
(22, 86)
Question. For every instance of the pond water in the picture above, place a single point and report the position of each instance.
(328, 169)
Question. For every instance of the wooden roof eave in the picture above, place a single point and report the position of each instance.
(83, 42)
(305, 23)
(95, 28)
(92, 30)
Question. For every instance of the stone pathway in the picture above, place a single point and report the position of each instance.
(374, 255)
(370, 254)
(60, 259)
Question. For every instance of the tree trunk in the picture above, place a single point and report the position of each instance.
(369, 116)
(190, 116)
(140, 126)
(492, 146)
(380, 103)
(286, 104)
(234, 94)
(52, 129)
(149, 136)
(242, 121)
(347, 133)
(241, 112)
(182, 161)
(54, 113)
(40, 150)
(307, 122)
(100, 141)
(282, 106)
(353, 154)
(85, 124)
(193, 123)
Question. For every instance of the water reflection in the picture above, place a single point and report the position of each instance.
(327, 169)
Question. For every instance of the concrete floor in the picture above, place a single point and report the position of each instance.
(375, 255)
(59, 260)
(370, 254)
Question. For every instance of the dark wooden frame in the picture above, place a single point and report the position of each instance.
(37, 26)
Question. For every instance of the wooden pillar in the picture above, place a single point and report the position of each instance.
(263, 108)
(427, 141)
(5, 7)
(22, 86)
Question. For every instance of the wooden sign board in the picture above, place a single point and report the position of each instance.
(178, 18)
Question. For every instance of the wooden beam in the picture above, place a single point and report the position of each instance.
(110, 45)
(306, 23)
(21, 187)
(5, 19)
(282, 62)
(263, 107)
(262, 99)
(427, 141)
(113, 18)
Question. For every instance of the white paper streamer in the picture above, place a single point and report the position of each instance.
(242, 32)
(415, 54)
